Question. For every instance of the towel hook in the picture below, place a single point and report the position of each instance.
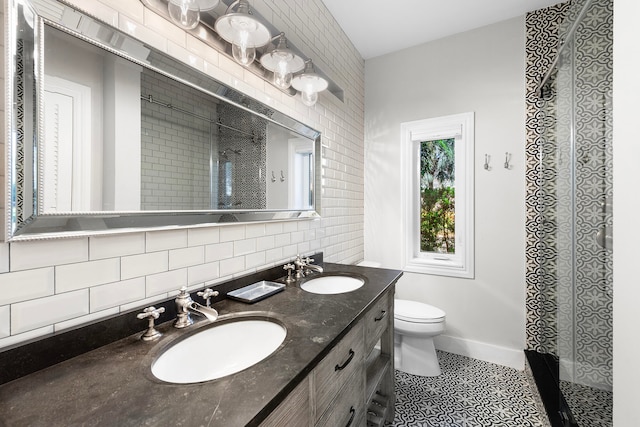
(282, 176)
(507, 159)
(486, 162)
(273, 176)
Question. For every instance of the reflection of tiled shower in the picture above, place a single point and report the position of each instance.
(196, 153)
(569, 185)
(242, 154)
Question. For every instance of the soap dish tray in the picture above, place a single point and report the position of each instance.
(256, 292)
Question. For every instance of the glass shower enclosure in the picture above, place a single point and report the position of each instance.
(576, 206)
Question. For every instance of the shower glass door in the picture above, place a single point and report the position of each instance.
(577, 159)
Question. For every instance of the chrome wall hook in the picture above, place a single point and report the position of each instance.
(273, 176)
(487, 158)
(282, 176)
(507, 160)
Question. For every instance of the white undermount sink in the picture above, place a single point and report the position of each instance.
(332, 284)
(219, 351)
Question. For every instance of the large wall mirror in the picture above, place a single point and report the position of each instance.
(108, 134)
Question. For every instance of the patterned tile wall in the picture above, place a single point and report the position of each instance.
(569, 275)
(112, 274)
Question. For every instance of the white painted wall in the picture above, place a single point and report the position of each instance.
(481, 71)
(626, 202)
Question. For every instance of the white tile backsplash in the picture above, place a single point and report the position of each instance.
(5, 322)
(29, 315)
(142, 265)
(232, 266)
(186, 257)
(203, 273)
(166, 282)
(203, 236)
(26, 285)
(29, 255)
(71, 277)
(170, 239)
(244, 247)
(159, 261)
(116, 245)
(117, 293)
(4, 257)
(218, 251)
(231, 233)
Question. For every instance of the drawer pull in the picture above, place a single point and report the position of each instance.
(382, 314)
(352, 411)
(344, 365)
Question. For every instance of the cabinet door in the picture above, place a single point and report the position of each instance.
(332, 373)
(348, 407)
(295, 410)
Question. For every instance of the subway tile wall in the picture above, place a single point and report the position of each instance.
(49, 286)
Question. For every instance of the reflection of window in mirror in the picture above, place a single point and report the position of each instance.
(303, 166)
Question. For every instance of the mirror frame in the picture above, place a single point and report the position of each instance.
(42, 225)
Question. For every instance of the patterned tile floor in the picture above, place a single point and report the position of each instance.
(590, 407)
(469, 393)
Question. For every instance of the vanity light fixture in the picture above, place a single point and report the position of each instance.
(283, 66)
(185, 13)
(243, 31)
(309, 83)
(282, 62)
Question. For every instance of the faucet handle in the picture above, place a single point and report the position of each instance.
(207, 294)
(289, 267)
(152, 314)
(308, 260)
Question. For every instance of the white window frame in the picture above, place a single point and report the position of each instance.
(460, 127)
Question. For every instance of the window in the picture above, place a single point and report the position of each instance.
(438, 195)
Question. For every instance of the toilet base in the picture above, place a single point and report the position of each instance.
(416, 356)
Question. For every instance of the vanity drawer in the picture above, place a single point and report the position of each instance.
(334, 370)
(348, 408)
(376, 321)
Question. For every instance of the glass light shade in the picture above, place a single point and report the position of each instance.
(242, 54)
(282, 77)
(309, 98)
(185, 13)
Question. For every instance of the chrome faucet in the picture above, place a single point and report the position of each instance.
(185, 306)
(304, 266)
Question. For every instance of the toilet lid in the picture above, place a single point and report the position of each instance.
(413, 311)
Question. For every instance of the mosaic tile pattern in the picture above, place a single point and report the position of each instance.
(542, 39)
(469, 393)
(590, 407)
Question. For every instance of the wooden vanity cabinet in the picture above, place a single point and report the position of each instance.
(354, 384)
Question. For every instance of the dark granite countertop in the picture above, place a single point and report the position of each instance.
(113, 385)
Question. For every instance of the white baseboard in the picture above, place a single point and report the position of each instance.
(481, 351)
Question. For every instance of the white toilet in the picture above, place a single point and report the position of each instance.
(415, 326)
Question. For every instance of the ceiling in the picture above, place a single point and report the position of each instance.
(376, 30)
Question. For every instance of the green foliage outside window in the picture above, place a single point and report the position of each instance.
(437, 196)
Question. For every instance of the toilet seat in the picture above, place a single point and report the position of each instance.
(417, 312)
